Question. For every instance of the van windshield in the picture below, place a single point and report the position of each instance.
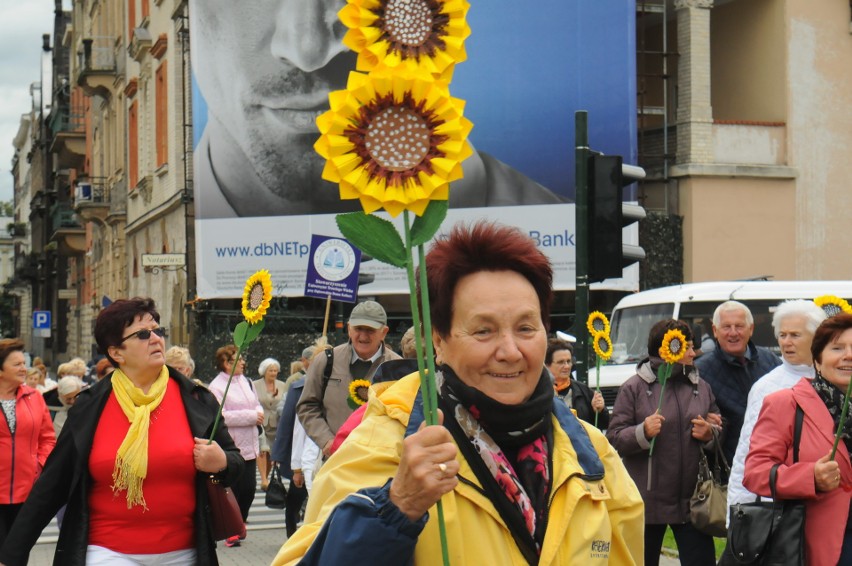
(630, 329)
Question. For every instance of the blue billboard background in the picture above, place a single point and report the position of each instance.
(531, 65)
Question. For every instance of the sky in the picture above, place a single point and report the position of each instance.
(22, 24)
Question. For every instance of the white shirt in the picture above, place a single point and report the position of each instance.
(305, 454)
(782, 377)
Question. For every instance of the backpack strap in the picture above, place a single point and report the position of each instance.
(329, 365)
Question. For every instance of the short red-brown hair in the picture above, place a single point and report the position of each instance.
(7, 346)
(485, 246)
(830, 329)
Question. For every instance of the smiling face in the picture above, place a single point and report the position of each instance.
(835, 363)
(795, 339)
(733, 332)
(137, 357)
(497, 341)
(272, 373)
(366, 340)
(265, 70)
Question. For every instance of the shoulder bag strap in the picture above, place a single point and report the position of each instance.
(797, 436)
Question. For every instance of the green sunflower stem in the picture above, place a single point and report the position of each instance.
(225, 395)
(843, 414)
(597, 383)
(427, 376)
(663, 375)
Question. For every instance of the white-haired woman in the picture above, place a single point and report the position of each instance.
(270, 392)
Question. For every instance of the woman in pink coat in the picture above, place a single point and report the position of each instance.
(823, 484)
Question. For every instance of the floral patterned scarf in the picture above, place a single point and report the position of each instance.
(508, 448)
(833, 399)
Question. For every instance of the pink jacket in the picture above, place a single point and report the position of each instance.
(21, 460)
(772, 443)
(240, 412)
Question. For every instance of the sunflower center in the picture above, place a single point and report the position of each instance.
(256, 296)
(675, 346)
(408, 22)
(397, 138)
(831, 309)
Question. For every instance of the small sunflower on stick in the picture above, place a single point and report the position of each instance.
(672, 351)
(598, 325)
(256, 297)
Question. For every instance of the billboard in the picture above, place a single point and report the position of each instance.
(262, 71)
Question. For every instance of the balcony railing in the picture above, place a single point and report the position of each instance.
(63, 216)
(68, 120)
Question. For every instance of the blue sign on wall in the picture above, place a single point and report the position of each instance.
(333, 265)
(41, 320)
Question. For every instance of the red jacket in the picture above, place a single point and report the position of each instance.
(772, 443)
(23, 457)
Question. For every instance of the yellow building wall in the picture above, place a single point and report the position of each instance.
(736, 228)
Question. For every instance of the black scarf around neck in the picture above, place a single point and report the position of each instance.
(511, 426)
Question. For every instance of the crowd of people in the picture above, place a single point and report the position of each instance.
(529, 464)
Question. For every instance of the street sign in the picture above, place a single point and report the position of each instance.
(41, 324)
(159, 260)
(66, 293)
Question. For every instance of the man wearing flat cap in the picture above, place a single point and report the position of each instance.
(323, 408)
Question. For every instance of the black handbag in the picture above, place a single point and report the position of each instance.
(276, 493)
(708, 505)
(770, 532)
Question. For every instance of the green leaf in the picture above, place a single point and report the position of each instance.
(374, 236)
(424, 227)
(253, 331)
(240, 334)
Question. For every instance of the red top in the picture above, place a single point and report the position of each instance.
(169, 488)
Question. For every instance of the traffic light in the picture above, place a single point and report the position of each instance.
(608, 255)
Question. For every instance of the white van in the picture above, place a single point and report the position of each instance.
(694, 303)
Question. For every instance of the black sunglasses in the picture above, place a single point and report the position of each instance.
(145, 334)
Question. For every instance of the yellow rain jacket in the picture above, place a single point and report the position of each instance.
(591, 521)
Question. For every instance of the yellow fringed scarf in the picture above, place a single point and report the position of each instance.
(131, 461)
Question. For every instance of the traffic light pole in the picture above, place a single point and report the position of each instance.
(581, 241)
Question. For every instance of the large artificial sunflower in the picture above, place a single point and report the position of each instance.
(673, 347)
(407, 35)
(597, 322)
(393, 142)
(256, 296)
(833, 305)
(602, 345)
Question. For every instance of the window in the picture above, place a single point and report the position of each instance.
(133, 145)
(162, 116)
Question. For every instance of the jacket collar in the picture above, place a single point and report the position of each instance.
(646, 374)
(750, 354)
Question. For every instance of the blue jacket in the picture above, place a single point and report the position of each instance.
(731, 381)
(283, 445)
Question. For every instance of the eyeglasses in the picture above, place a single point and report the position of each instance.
(145, 334)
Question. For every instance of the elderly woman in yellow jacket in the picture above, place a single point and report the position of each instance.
(521, 479)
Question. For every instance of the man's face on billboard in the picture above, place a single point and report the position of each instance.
(265, 69)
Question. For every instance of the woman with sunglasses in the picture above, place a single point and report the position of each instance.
(133, 459)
